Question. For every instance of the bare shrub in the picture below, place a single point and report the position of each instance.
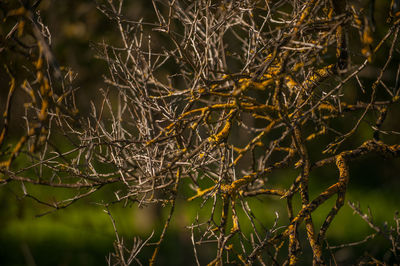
(218, 96)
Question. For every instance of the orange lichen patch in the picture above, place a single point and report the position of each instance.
(209, 108)
(202, 90)
(299, 163)
(290, 83)
(304, 15)
(14, 152)
(46, 88)
(61, 97)
(2, 135)
(367, 35)
(150, 141)
(263, 84)
(339, 40)
(237, 149)
(317, 76)
(248, 83)
(237, 184)
(224, 132)
(367, 40)
(366, 51)
(297, 66)
(200, 193)
(43, 110)
(274, 70)
(240, 257)
(39, 62)
(266, 191)
(244, 85)
(314, 135)
(194, 125)
(327, 106)
(356, 18)
(268, 57)
(286, 149)
(226, 189)
(261, 107)
(322, 72)
(264, 117)
(235, 224)
(343, 171)
(221, 94)
(170, 126)
(39, 76)
(293, 258)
